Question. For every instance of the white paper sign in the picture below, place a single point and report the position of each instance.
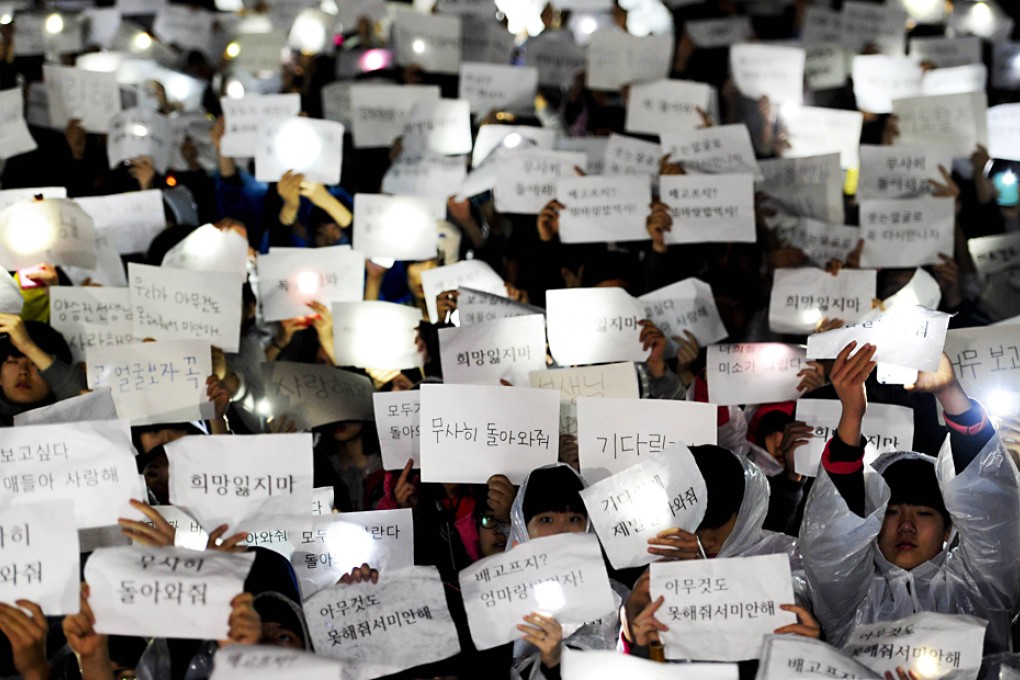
(493, 136)
(908, 337)
(617, 58)
(726, 619)
(556, 56)
(803, 297)
(1006, 66)
(486, 353)
(616, 434)
(608, 380)
(266, 662)
(710, 208)
(593, 326)
(308, 146)
(611, 665)
(1004, 131)
(375, 334)
(9, 197)
(134, 133)
(772, 71)
(165, 592)
(290, 278)
(338, 543)
(887, 427)
(208, 249)
(906, 233)
(242, 118)
(442, 127)
(475, 306)
(55, 230)
(399, 227)
(900, 171)
(498, 86)
(430, 40)
(879, 79)
(562, 576)
(822, 242)
(709, 33)
(955, 80)
(472, 273)
(426, 174)
(92, 97)
(946, 52)
(598, 209)
(154, 382)
(93, 405)
(754, 373)
(712, 150)
(471, 432)
(865, 24)
(185, 27)
(526, 180)
(91, 463)
(15, 139)
(396, 420)
(940, 645)
(400, 623)
(312, 394)
(630, 156)
(483, 40)
(40, 555)
(248, 482)
(685, 306)
(663, 106)
(260, 52)
(821, 26)
(199, 306)
(633, 505)
(789, 656)
(807, 187)
(993, 254)
(130, 220)
(815, 131)
(960, 119)
(825, 67)
(985, 359)
(91, 317)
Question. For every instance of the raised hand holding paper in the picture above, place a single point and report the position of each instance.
(593, 326)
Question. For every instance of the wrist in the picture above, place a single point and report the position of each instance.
(954, 399)
(656, 368)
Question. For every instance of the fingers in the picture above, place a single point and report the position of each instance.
(406, 472)
(140, 532)
(362, 574)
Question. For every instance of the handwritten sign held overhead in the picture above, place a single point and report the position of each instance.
(1004, 131)
(608, 380)
(635, 504)
(382, 629)
(91, 97)
(753, 373)
(815, 131)
(55, 230)
(686, 305)
(91, 463)
(130, 220)
(380, 111)
(39, 550)
(710, 33)
(908, 337)
(398, 425)
(247, 482)
(134, 133)
(563, 576)
(400, 227)
(242, 118)
(91, 317)
(710, 208)
(906, 233)
(720, 609)
(308, 146)
(986, 359)
(290, 278)
(771, 71)
(15, 139)
(880, 79)
(498, 86)
(944, 52)
(475, 306)
(803, 297)
(312, 394)
(666, 106)
(526, 180)
(713, 150)
(471, 432)
(887, 427)
(900, 171)
(806, 187)
(165, 592)
(442, 127)
(200, 306)
(593, 326)
(866, 24)
(472, 273)
(431, 41)
(617, 58)
(426, 174)
(601, 209)
(483, 40)
(486, 353)
(556, 56)
(959, 119)
(375, 334)
(616, 434)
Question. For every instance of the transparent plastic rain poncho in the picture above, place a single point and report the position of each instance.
(852, 583)
(600, 634)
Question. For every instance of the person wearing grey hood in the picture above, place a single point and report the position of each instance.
(878, 541)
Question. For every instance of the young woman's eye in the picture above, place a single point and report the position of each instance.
(576, 519)
(925, 513)
(545, 519)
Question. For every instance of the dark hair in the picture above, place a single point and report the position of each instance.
(553, 489)
(724, 479)
(46, 337)
(773, 421)
(912, 481)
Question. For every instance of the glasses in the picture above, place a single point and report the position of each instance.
(488, 521)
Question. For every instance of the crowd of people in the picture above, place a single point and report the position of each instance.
(931, 528)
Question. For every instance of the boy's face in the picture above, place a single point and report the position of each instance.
(912, 534)
(21, 382)
(712, 540)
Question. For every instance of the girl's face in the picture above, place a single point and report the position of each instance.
(552, 523)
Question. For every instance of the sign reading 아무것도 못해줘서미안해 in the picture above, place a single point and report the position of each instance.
(165, 591)
(39, 555)
(381, 629)
(563, 576)
(471, 432)
(626, 509)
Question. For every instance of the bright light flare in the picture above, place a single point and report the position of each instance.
(139, 130)
(6, 19)
(235, 90)
(512, 140)
(141, 42)
(549, 597)
(373, 60)
(927, 667)
(233, 49)
(263, 408)
(810, 317)
(296, 144)
(34, 234)
(1008, 178)
(309, 33)
(54, 24)
(307, 283)
(1002, 403)
(588, 25)
(418, 46)
(384, 262)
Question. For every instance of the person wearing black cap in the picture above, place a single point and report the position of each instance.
(36, 368)
(878, 541)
